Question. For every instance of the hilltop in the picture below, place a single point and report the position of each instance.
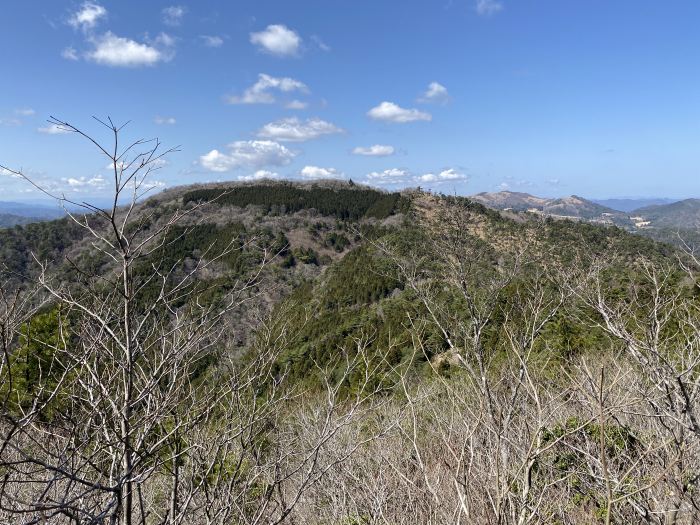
(327, 330)
(682, 214)
(674, 222)
(572, 207)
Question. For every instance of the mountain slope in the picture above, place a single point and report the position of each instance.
(577, 207)
(8, 220)
(682, 214)
(573, 207)
(362, 313)
(518, 201)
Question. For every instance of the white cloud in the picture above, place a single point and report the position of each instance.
(316, 172)
(449, 174)
(69, 53)
(25, 112)
(390, 176)
(10, 121)
(320, 43)
(97, 182)
(436, 93)
(294, 130)
(88, 16)
(377, 150)
(488, 7)
(165, 120)
(112, 50)
(259, 93)
(151, 184)
(390, 112)
(250, 153)
(212, 40)
(172, 15)
(164, 40)
(511, 182)
(53, 129)
(277, 39)
(260, 175)
(394, 176)
(7, 173)
(296, 104)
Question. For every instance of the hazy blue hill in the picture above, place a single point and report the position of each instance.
(7, 220)
(35, 211)
(628, 205)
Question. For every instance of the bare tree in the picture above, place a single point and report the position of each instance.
(127, 423)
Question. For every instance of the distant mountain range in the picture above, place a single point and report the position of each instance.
(571, 207)
(14, 213)
(628, 205)
(655, 214)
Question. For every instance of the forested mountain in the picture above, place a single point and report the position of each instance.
(8, 219)
(682, 214)
(330, 353)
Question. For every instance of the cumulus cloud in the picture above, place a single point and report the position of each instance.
(88, 16)
(295, 130)
(389, 176)
(488, 7)
(446, 175)
(247, 153)
(152, 184)
(53, 129)
(278, 40)
(395, 176)
(261, 91)
(25, 112)
(316, 172)
(436, 93)
(390, 112)
(96, 182)
(112, 50)
(173, 15)
(165, 120)
(260, 175)
(212, 40)
(377, 150)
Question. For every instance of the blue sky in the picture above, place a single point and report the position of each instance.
(597, 98)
